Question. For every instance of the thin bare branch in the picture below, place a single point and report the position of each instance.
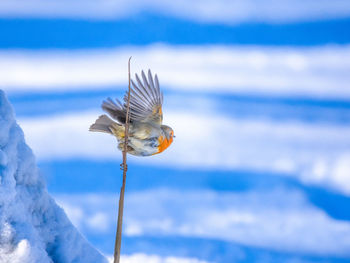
(118, 237)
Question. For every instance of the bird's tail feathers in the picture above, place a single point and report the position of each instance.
(103, 124)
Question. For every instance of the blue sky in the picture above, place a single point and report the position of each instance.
(257, 93)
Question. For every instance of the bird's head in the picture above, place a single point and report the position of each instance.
(169, 133)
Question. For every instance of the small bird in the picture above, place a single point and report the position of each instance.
(147, 136)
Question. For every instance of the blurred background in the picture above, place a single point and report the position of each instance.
(257, 92)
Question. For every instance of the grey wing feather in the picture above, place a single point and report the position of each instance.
(144, 91)
(115, 110)
(160, 94)
(146, 101)
(151, 83)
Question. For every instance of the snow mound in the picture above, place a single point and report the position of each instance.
(33, 228)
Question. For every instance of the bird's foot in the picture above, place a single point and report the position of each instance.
(122, 167)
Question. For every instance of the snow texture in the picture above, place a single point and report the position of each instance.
(33, 228)
(140, 257)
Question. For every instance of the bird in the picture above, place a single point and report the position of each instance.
(146, 135)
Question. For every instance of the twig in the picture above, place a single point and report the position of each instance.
(118, 237)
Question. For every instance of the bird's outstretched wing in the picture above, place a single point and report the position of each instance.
(146, 101)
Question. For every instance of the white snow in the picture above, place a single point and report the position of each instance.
(33, 228)
(212, 11)
(143, 258)
(289, 71)
(315, 153)
(280, 219)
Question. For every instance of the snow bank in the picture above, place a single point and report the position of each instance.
(33, 228)
(314, 153)
(209, 11)
(275, 220)
(139, 257)
(320, 71)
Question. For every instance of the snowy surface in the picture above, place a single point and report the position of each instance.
(224, 11)
(297, 71)
(267, 218)
(257, 93)
(314, 153)
(33, 228)
(140, 257)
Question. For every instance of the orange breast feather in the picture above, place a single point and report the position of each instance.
(163, 143)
